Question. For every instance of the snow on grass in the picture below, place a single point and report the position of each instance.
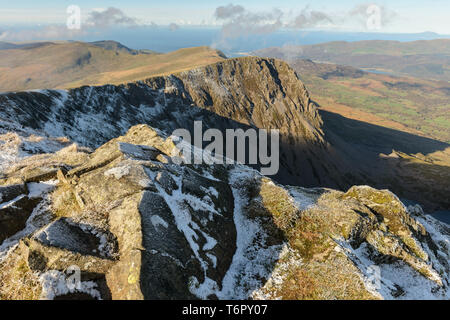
(290, 260)
(17, 144)
(11, 202)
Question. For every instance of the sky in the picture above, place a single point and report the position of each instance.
(400, 16)
(234, 27)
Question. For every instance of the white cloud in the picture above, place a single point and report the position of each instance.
(238, 21)
(110, 17)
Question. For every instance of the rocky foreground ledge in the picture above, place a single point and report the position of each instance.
(138, 226)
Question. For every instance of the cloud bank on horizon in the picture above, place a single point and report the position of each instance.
(234, 20)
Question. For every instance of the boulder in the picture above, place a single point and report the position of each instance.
(15, 213)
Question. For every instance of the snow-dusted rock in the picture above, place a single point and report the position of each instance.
(139, 228)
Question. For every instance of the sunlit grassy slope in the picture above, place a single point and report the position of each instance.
(73, 64)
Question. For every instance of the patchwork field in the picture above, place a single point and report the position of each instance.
(421, 59)
(408, 104)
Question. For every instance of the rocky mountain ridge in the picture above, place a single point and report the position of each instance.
(137, 226)
(242, 93)
(238, 93)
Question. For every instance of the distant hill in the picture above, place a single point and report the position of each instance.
(59, 65)
(428, 59)
(31, 45)
(325, 70)
(117, 46)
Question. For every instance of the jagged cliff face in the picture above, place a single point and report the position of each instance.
(138, 226)
(244, 92)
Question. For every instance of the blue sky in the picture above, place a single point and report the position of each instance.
(408, 16)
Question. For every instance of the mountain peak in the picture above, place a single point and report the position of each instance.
(118, 47)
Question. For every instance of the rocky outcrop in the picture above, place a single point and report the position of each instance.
(135, 225)
(145, 226)
(14, 214)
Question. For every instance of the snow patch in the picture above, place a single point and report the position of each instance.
(11, 202)
(191, 230)
(38, 189)
(303, 199)
(40, 217)
(202, 290)
(55, 283)
(253, 260)
(118, 172)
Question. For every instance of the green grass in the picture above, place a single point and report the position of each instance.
(424, 108)
(421, 59)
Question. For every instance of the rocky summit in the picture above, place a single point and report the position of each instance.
(94, 203)
(135, 225)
